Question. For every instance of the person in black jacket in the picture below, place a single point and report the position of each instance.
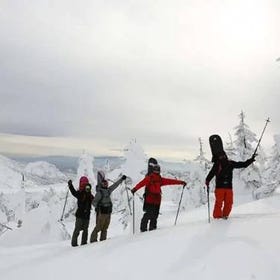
(222, 169)
(82, 214)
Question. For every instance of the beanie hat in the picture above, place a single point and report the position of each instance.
(83, 182)
(151, 163)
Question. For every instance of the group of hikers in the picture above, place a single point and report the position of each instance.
(222, 169)
(101, 202)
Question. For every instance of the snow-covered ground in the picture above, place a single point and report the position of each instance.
(244, 247)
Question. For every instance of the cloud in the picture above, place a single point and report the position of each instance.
(165, 73)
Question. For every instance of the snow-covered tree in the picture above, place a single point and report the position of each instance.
(272, 172)
(230, 149)
(245, 139)
(22, 198)
(244, 145)
(201, 159)
(85, 168)
(134, 166)
(135, 161)
(275, 161)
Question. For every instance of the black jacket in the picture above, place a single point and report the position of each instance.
(84, 203)
(222, 169)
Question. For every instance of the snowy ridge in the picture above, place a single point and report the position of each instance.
(35, 173)
(43, 173)
(10, 173)
(244, 247)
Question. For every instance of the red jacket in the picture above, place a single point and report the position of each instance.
(153, 183)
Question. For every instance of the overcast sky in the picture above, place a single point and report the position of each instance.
(93, 74)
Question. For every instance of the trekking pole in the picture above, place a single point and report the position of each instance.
(129, 206)
(179, 205)
(208, 202)
(133, 216)
(61, 219)
(6, 227)
(266, 123)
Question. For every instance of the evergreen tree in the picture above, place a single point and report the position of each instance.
(272, 172)
(107, 167)
(244, 145)
(230, 149)
(85, 168)
(134, 166)
(195, 195)
(135, 161)
(201, 159)
(245, 139)
(22, 195)
(275, 163)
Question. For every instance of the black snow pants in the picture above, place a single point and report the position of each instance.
(150, 215)
(80, 225)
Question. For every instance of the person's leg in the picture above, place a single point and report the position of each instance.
(219, 195)
(97, 228)
(228, 203)
(154, 217)
(76, 232)
(105, 225)
(85, 232)
(144, 221)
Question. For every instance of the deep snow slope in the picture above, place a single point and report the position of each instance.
(244, 247)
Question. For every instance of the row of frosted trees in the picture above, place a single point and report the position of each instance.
(261, 179)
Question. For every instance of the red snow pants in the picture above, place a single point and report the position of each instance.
(223, 203)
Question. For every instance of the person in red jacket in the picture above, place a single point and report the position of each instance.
(152, 197)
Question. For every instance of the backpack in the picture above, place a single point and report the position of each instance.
(105, 205)
(150, 190)
(151, 187)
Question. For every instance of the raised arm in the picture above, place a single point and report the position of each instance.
(72, 190)
(169, 182)
(242, 164)
(141, 184)
(116, 184)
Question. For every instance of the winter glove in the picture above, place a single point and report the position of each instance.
(70, 184)
(88, 188)
(123, 177)
(184, 184)
(252, 159)
(133, 191)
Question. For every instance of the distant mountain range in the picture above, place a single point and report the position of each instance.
(69, 164)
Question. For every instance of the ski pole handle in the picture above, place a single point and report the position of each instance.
(255, 152)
